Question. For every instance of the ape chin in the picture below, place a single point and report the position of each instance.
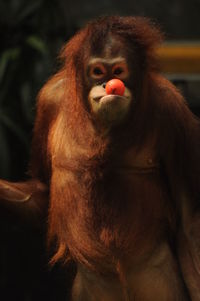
(119, 149)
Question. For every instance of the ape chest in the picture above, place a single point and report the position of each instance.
(138, 185)
(142, 196)
(139, 208)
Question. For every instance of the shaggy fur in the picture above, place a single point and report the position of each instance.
(98, 215)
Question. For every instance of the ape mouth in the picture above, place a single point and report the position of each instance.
(109, 98)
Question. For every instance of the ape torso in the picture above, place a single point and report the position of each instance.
(127, 216)
(119, 224)
(147, 269)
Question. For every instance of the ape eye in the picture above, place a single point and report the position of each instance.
(120, 71)
(97, 71)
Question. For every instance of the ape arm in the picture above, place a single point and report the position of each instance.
(179, 145)
(189, 253)
(48, 104)
(178, 141)
(29, 200)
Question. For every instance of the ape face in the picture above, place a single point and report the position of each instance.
(109, 64)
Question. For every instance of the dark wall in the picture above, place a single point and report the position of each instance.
(178, 18)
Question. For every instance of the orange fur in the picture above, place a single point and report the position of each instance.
(99, 215)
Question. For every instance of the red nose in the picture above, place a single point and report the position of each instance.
(115, 86)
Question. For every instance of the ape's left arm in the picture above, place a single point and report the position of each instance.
(28, 200)
(189, 253)
(179, 147)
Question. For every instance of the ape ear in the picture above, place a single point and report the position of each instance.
(27, 199)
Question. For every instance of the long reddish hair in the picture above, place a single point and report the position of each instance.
(87, 218)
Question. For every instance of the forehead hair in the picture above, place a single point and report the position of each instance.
(109, 48)
(129, 34)
(134, 29)
(132, 33)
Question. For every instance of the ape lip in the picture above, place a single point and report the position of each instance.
(110, 98)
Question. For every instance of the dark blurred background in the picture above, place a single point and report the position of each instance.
(32, 33)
